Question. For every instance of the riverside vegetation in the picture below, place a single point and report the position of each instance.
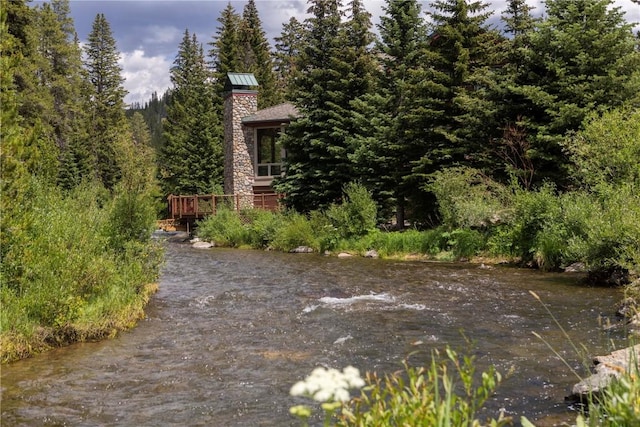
(77, 187)
(72, 271)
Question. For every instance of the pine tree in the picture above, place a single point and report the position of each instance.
(25, 153)
(318, 164)
(154, 113)
(33, 98)
(256, 57)
(224, 53)
(191, 161)
(396, 120)
(468, 55)
(107, 116)
(514, 146)
(582, 59)
(288, 48)
(61, 73)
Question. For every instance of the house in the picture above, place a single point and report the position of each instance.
(252, 152)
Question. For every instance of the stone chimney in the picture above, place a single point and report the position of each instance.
(239, 101)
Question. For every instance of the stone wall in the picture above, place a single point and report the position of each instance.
(239, 175)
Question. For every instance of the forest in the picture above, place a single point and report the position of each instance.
(524, 136)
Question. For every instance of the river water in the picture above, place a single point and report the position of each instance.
(230, 331)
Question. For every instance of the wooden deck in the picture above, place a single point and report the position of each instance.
(194, 207)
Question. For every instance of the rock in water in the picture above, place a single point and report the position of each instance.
(607, 369)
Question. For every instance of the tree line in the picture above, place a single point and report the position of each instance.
(443, 88)
(429, 90)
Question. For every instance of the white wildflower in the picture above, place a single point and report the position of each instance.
(324, 385)
(299, 389)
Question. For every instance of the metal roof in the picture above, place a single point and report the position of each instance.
(240, 81)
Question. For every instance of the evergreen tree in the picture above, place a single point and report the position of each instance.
(317, 163)
(468, 55)
(356, 56)
(224, 53)
(61, 73)
(288, 48)
(25, 154)
(36, 82)
(154, 113)
(191, 162)
(256, 57)
(514, 147)
(583, 58)
(107, 115)
(396, 120)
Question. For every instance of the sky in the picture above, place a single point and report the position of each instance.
(148, 32)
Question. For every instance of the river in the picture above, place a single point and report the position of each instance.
(230, 331)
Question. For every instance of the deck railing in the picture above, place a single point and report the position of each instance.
(199, 206)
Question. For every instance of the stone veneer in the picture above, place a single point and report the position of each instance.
(239, 175)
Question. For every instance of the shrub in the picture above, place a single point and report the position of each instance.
(608, 148)
(467, 198)
(611, 230)
(263, 226)
(356, 215)
(68, 269)
(464, 243)
(446, 393)
(132, 217)
(225, 228)
(296, 231)
(532, 212)
(327, 234)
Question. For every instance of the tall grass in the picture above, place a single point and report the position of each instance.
(446, 393)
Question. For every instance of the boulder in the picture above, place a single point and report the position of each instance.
(576, 267)
(344, 255)
(202, 245)
(607, 369)
(371, 254)
(302, 250)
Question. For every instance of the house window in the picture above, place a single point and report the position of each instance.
(269, 152)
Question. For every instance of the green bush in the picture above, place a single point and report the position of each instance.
(532, 212)
(611, 230)
(464, 243)
(356, 215)
(467, 198)
(327, 234)
(68, 267)
(132, 217)
(262, 227)
(608, 148)
(225, 228)
(296, 231)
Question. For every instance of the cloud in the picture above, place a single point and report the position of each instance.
(144, 75)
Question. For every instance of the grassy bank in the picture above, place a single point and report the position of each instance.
(542, 229)
(71, 271)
